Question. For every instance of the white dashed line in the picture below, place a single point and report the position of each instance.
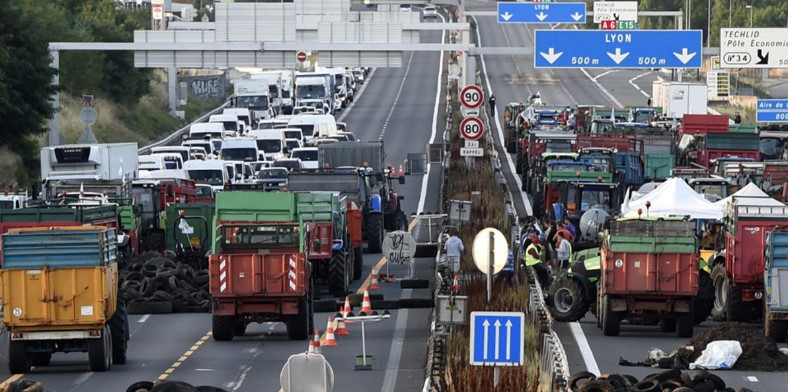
(632, 82)
(396, 99)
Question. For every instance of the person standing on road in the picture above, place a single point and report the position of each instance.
(737, 118)
(533, 258)
(569, 226)
(454, 248)
(492, 105)
(564, 251)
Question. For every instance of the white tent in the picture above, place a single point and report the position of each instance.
(673, 197)
(750, 195)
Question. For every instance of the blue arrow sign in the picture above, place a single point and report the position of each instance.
(497, 338)
(541, 12)
(771, 110)
(618, 49)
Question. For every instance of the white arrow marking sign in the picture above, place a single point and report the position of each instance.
(577, 16)
(684, 57)
(618, 57)
(506, 16)
(498, 339)
(509, 339)
(551, 56)
(541, 16)
(486, 339)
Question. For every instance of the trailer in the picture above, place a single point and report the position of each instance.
(114, 161)
(775, 319)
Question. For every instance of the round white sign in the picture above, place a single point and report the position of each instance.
(472, 97)
(399, 247)
(481, 250)
(17, 312)
(471, 128)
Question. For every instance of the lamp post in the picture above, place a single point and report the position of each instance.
(750, 7)
(708, 26)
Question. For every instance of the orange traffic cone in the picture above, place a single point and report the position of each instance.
(341, 327)
(373, 282)
(366, 306)
(401, 171)
(455, 284)
(346, 311)
(316, 342)
(331, 340)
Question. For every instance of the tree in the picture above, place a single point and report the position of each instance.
(25, 76)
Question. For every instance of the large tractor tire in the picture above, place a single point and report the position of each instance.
(511, 144)
(119, 328)
(738, 309)
(518, 164)
(300, 326)
(358, 263)
(611, 321)
(719, 310)
(703, 303)
(19, 360)
(338, 275)
(685, 324)
(375, 233)
(223, 328)
(402, 220)
(239, 328)
(569, 300)
(100, 351)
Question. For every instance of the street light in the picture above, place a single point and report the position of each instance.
(708, 26)
(750, 7)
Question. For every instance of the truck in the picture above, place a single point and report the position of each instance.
(13, 200)
(649, 272)
(152, 196)
(340, 85)
(269, 248)
(775, 277)
(679, 98)
(275, 84)
(113, 161)
(705, 149)
(62, 297)
(288, 87)
(737, 269)
(315, 90)
(255, 95)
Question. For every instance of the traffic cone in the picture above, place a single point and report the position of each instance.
(401, 171)
(331, 340)
(373, 282)
(316, 342)
(311, 349)
(455, 284)
(346, 311)
(366, 306)
(341, 327)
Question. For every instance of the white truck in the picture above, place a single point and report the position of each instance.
(679, 98)
(317, 90)
(13, 201)
(340, 85)
(112, 161)
(288, 87)
(253, 94)
(274, 80)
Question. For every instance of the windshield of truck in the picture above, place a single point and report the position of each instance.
(687, 143)
(144, 196)
(171, 165)
(257, 237)
(252, 102)
(285, 93)
(269, 145)
(205, 146)
(771, 148)
(558, 146)
(293, 134)
(6, 205)
(292, 143)
(239, 154)
(204, 191)
(305, 155)
(600, 162)
(308, 130)
(273, 91)
(310, 91)
(642, 117)
(207, 176)
(594, 197)
(566, 166)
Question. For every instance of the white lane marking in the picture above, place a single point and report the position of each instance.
(632, 82)
(357, 96)
(752, 379)
(392, 365)
(241, 379)
(605, 73)
(396, 99)
(426, 179)
(143, 318)
(584, 347)
(499, 128)
(508, 44)
(602, 89)
(82, 378)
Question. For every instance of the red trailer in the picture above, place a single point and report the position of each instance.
(702, 124)
(620, 142)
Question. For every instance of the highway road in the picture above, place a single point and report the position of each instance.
(514, 79)
(397, 105)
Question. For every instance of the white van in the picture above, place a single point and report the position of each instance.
(308, 157)
(208, 145)
(271, 141)
(242, 114)
(159, 162)
(180, 150)
(230, 122)
(294, 133)
(206, 130)
(314, 125)
(240, 149)
(211, 172)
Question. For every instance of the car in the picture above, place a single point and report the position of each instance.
(430, 11)
(405, 8)
(307, 155)
(291, 144)
(273, 178)
(292, 164)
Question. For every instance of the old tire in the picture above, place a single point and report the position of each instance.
(118, 326)
(338, 283)
(100, 351)
(611, 321)
(584, 376)
(649, 385)
(685, 324)
(597, 386)
(298, 326)
(358, 263)
(374, 229)
(719, 310)
(569, 300)
(703, 303)
(222, 328)
(18, 359)
(40, 359)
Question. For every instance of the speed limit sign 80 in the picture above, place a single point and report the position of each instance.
(471, 128)
(472, 97)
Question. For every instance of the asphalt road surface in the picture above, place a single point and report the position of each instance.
(513, 78)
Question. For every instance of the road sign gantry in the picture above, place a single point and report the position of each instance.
(531, 12)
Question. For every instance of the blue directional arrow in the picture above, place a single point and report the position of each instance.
(771, 110)
(618, 49)
(541, 12)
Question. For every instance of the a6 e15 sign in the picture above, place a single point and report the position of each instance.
(472, 97)
(471, 128)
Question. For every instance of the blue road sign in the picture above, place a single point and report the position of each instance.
(618, 49)
(771, 110)
(541, 12)
(497, 338)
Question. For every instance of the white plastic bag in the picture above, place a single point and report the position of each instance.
(721, 354)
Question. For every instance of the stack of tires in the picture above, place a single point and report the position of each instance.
(154, 284)
(666, 381)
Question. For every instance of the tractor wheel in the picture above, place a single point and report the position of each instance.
(223, 328)
(100, 351)
(18, 358)
(298, 326)
(511, 145)
(518, 164)
(611, 321)
(721, 293)
(738, 309)
(239, 328)
(375, 233)
(337, 275)
(569, 300)
(402, 221)
(667, 324)
(685, 324)
(358, 263)
(703, 303)
(118, 326)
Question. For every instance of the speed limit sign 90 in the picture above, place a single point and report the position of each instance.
(471, 128)
(472, 97)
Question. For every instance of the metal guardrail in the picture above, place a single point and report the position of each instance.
(177, 135)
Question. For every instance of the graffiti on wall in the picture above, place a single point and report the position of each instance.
(206, 87)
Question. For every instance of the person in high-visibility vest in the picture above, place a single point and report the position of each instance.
(533, 258)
